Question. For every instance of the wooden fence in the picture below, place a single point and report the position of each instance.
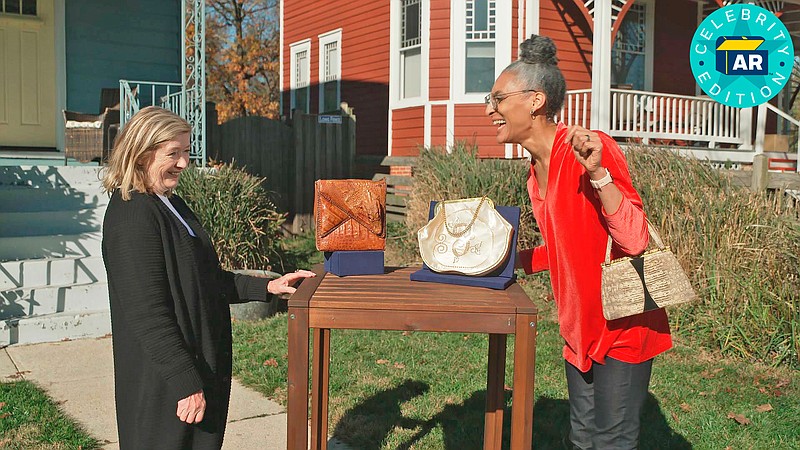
(290, 156)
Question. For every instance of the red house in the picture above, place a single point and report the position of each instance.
(417, 71)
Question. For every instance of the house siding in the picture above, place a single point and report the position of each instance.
(438, 125)
(672, 39)
(515, 31)
(407, 130)
(439, 66)
(364, 61)
(562, 21)
(99, 54)
(474, 126)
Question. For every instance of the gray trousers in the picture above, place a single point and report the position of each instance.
(605, 404)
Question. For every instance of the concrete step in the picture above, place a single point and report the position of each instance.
(44, 300)
(55, 327)
(50, 176)
(56, 246)
(47, 223)
(51, 272)
(28, 199)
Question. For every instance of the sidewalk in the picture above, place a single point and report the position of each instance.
(79, 374)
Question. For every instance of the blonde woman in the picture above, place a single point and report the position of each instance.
(169, 296)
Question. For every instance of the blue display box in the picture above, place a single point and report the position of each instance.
(347, 262)
(499, 279)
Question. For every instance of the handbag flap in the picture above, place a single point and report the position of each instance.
(362, 201)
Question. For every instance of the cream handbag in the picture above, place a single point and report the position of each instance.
(644, 283)
(466, 237)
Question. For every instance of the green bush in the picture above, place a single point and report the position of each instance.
(238, 215)
(741, 249)
(440, 175)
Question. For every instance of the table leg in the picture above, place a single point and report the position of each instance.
(297, 395)
(320, 372)
(522, 400)
(495, 398)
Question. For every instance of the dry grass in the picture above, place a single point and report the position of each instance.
(741, 249)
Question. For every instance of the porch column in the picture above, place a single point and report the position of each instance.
(601, 66)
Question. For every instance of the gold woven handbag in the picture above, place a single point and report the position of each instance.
(466, 237)
(644, 283)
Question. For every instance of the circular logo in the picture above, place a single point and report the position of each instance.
(742, 55)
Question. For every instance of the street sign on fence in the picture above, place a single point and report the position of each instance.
(329, 119)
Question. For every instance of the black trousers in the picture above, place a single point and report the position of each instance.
(605, 404)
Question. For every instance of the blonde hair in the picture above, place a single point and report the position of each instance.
(133, 148)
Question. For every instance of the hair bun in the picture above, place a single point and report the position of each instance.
(538, 50)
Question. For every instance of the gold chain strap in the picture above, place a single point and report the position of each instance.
(471, 222)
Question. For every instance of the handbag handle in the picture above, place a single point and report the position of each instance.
(653, 234)
(471, 222)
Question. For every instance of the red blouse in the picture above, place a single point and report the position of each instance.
(575, 228)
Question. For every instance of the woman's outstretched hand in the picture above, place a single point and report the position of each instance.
(587, 147)
(284, 284)
(192, 408)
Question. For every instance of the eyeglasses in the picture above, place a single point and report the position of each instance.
(495, 99)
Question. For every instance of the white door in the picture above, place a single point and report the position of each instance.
(27, 74)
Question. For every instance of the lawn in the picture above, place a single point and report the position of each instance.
(426, 390)
(30, 419)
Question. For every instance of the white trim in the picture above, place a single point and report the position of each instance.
(531, 18)
(509, 150)
(601, 66)
(389, 135)
(325, 39)
(502, 49)
(650, 30)
(451, 121)
(294, 49)
(280, 61)
(394, 59)
(395, 79)
(61, 69)
(426, 134)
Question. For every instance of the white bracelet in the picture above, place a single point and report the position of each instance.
(598, 184)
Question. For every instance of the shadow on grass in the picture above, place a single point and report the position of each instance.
(551, 426)
(368, 424)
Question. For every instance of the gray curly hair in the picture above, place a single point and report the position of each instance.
(537, 69)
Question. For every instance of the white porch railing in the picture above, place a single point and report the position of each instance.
(138, 94)
(135, 95)
(651, 115)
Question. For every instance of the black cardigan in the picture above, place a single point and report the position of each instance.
(170, 322)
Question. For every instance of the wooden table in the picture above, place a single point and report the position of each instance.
(393, 302)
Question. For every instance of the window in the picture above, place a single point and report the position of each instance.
(480, 46)
(631, 54)
(300, 73)
(20, 7)
(330, 71)
(411, 49)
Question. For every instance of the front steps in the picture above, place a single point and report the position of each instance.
(52, 278)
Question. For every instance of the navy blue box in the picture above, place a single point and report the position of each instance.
(500, 279)
(347, 262)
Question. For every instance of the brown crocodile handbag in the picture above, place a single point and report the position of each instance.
(350, 215)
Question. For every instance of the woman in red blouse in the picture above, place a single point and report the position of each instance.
(581, 193)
